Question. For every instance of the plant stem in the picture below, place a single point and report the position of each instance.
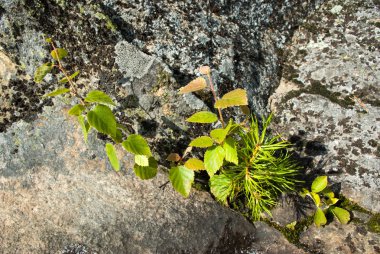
(62, 69)
(215, 99)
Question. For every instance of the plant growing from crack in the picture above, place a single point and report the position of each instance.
(94, 112)
(325, 202)
(242, 160)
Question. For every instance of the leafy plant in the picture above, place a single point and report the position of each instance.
(94, 112)
(325, 202)
(242, 160)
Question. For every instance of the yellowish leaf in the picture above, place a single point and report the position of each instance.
(195, 85)
(194, 164)
(205, 70)
(237, 97)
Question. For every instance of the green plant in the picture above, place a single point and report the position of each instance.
(325, 202)
(242, 160)
(94, 112)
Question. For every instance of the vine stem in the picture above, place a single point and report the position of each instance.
(62, 69)
(215, 99)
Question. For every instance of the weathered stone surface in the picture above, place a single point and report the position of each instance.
(327, 101)
(56, 192)
(341, 239)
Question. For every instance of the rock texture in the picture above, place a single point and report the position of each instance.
(328, 99)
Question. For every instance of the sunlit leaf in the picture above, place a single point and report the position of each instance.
(291, 225)
(319, 184)
(58, 53)
(97, 96)
(48, 40)
(230, 150)
(57, 91)
(194, 164)
(111, 153)
(213, 159)
(203, 117)
(42, 71)
(319, 217)
(174, 157)
(118, 137)
(102, 119)
(237, 97)
(195, 85)
(341, 214)
(218, 135)
(76, 110)
(181, 178)
(85, 126)
(316, 198)
(202, 141)
(332, 201)
(71, 77)
(205, 70)
(136, 144)
(221, 187)
(147, 172)
(142, 160)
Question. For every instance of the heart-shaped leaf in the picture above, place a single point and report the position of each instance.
(213, 159)
(341, 214)
(147, 172)
(102, 119)
(181, 178)
(58, 53)
(221, 187)
(97, 96)
(237, 97)
(194, 164)
(195, 85)
(42, 71)
(137, 145)
(319, 184)
(202, 142)
(218, 135)
(319, 217)
(203, 117)
(111, 153)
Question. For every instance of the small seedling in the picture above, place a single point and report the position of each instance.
(325, 202)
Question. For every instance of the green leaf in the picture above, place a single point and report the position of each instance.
(195, 85)
(332, 201)
(341, 214)
(136, 144)
(292, 225)
(85, 127)
(71, 77)
(194, 164)
(230, 150)
(218, 135)
(319, 217)
(319, 184)
(118, 137)
(316, 198)
(97, 96)
(102, 119)
(76, 110)
(213, 160)
(58, 53)
(237, 97)
(181, 178)
(49, 40)
(142, 160)
(147, 172)
(56, 92)
(221, 187)
(203, 117)
(202, 141)
(42, 71)
(111, 153)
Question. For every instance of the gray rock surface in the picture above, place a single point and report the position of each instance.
(56, 192)
(328, 98)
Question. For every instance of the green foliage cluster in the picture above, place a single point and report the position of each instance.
(94, 112)
(243, 161)
(325, 202)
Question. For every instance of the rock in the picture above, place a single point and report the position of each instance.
(59, 193)
(328, 99)
(337, 238)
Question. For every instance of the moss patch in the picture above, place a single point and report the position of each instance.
(374, 223)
